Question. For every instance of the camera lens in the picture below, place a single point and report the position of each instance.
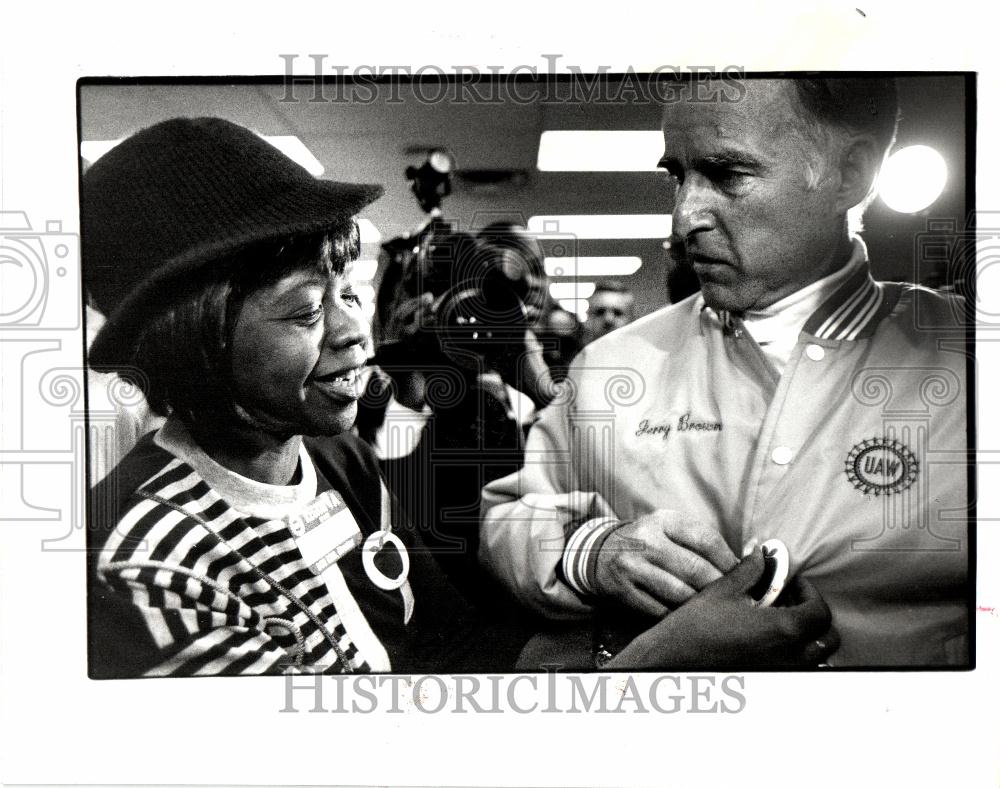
(485, 320)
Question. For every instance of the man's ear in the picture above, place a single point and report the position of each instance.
(859, 164)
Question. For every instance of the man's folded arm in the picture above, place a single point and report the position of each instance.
(539, 533)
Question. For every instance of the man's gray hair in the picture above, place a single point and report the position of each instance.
(837, 106)
(857, 105)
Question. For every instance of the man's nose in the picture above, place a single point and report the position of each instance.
(693, 210)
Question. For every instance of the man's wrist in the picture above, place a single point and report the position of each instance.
(579, 561)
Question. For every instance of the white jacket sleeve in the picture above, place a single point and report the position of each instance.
(528, 517)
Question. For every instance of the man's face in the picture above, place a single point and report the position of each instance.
(607, 311)
(745, 214)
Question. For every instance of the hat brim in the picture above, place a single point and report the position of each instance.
(305, 210)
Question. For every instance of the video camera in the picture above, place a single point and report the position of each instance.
(478, 312)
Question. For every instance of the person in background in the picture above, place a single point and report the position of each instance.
(444, 426)
(523, 372)
(561, 335)
(611, 306)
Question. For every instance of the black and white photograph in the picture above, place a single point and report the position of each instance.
(498, 396)
(658, 380)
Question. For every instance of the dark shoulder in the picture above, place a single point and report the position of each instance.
(110, 498)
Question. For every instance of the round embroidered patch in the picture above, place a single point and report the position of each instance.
(878, 466)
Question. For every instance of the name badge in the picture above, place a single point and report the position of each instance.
(324, 531)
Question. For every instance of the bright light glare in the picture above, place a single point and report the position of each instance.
(367, 295)
(591, 266)
(364, 270)
(912, 178)
(600, 151)
(645, 225)
(561, 290)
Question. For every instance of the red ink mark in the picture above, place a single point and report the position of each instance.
(983, 609)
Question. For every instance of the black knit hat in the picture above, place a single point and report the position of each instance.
(184, 193)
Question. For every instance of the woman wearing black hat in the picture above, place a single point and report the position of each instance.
(227, 543)
(252, 533)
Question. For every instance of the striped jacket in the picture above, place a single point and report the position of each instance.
(182, 582)
(854, 456)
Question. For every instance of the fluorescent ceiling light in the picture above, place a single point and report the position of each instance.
(591, 266)
(912, 178)
(290, 145)
(642, 225)
(364, 270)
(561, 290)
(600, 151)
(576, 306)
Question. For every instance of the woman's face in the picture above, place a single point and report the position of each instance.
(297, 349)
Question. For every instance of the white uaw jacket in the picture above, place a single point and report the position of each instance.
(855, 457)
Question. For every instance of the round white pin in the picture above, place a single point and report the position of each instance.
(373, 544)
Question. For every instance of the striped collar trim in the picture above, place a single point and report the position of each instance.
(852, 312)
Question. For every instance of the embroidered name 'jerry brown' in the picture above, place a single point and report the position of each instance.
(684, 424)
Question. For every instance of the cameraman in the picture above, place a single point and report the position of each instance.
(460, 375)
(523, 363)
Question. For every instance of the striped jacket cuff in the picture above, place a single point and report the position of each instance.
(579, 559)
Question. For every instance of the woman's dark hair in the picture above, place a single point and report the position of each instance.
(182, 358)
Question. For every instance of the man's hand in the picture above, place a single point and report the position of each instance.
(660, 561)
(722, 629)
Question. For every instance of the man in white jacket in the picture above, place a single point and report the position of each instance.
(793, 398)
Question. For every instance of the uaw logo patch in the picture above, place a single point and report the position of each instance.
(878, 466)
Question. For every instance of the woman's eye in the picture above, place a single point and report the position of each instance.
(351, 296)
(309, 316)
